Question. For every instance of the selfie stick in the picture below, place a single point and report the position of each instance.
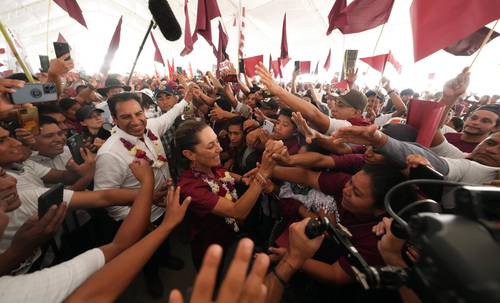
(151, 24)
(20, 61)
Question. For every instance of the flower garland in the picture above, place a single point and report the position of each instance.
(223, 186)
(141, 154)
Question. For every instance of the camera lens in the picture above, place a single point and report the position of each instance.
(49, 88)
(36, 93)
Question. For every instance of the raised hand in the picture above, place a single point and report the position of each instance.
(218, 113)
(60, 66)
(25, 136)
(237, 286)
(300, 246)
(8, 86)
(456, 87)
(352, 75)
(303, 128)
(174, 211)
(267, 79)
(367, 135)
(88, 165)
(142, 170)
(386, 83)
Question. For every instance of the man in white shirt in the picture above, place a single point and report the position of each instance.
(135, 137)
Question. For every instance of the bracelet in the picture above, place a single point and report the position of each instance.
(282, 281)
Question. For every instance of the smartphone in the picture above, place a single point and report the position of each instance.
(268, 126)
(297, 66)
(28, 119)
(230, 78)
(241, 66)
(432, 191)
(34, 93)
(179, 70)
(61, 49)
(44, 63)
(53, 196)
(75, 142)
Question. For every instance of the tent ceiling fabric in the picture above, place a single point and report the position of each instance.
(306, 26)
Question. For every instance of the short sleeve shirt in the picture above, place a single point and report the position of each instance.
(456, 139)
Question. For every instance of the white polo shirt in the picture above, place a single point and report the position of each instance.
(113, 158)
(58, 162)
(53, 284)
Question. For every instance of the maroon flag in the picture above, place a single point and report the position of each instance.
(188, 38)
(343, 85)
(379, 62)
(158, 58)
(284, 61)
(327, 62)
(250, 64)
(434, 30)
(171, 68)
(338, 6)
(277, 68)
(61, 39)
(221, 50)
(305, 67)
(284, 42)
(316, 69)
(113, 47)
(471, 43)
(73, 10)
(362, 15)
(394, 62)
(207, 10)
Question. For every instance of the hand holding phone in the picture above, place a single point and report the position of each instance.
(53, 196)
(61, 49)
(75, 143)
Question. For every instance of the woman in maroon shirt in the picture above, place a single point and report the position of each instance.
(215, 209)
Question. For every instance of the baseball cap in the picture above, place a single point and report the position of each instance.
(86, 111)
(167, 90)
(407, 92)
(378, 94)
(269, 103)
(494, 108)
(354, 98)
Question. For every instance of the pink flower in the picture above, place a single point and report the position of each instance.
(127, 144)
(140, 154)
(161, 158)
(151, 136)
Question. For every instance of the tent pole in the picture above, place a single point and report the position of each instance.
(486, 39)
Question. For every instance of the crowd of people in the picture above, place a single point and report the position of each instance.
(243, 163)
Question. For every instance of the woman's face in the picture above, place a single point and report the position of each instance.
(284, 128)
(207, 152)
(358, 196)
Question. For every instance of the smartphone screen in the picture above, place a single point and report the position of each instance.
(61, 49)
(74, 143)
(241, 66)
(53, 196)
(268, 126)
(44, 63)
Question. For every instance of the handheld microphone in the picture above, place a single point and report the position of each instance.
(165, 19)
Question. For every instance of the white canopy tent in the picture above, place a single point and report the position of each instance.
(37, 24)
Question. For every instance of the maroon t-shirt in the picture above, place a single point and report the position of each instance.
(207, 228)
(349, 163)
(359, 122)
(456, 139)
(292, 145)
(365, 241)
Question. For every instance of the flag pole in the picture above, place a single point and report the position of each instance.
(486, 39)
(376, 45)
(151, 24)
(240, 8)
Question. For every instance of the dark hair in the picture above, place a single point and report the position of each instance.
(186, 137)
(285, 111)
(458, 123)
(385, 177)
(45, 109)
(20, 76)
(122, 97)
(79, 88)
(67, 103)
(43, 120)
(235, 121)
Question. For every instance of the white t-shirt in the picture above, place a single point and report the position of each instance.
(448, 150)
(447, 129)
(382, 119)
(53, 284)
(113, 158)
(467, 171)
(58, 162)
(336, 124)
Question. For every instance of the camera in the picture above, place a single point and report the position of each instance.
(35, 93)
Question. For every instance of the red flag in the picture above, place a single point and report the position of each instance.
(377, 62)
(394, 62)
(61, 39)
(113, 47)
(424, 116)
(171, 68)
(158, 58)
(437, 24)
(284, 42)
(338, 6)
(305, 67)
(343, 85)
(250, 64)
(73, 10)
(276, 69)
(327, 62)
(188, 38)
(284, 61)
(223, 40)
(362, 15)
(316, 69)
(471, 43)
(207, 10)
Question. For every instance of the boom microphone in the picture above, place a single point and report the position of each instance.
(165, 19)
